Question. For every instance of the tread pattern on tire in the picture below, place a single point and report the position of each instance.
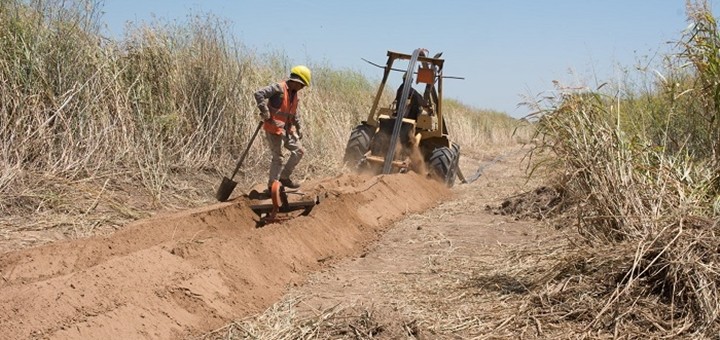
(358, 143)
(444, 161)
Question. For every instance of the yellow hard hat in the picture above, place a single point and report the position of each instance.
(301, 72)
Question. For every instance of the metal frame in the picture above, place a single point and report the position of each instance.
(436, 63)
(269, 213)
(387, 166)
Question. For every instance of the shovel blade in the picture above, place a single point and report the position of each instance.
(226, 188)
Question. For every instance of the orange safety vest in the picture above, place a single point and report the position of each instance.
(282, 115)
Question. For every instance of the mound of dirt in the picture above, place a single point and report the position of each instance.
(537, 204)
(186, 273)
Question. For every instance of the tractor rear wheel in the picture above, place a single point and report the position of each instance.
(358, 144)
(444, 162)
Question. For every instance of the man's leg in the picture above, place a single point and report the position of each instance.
(296, 153)
(275, 143)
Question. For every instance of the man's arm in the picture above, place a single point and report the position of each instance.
(297, 121)
(263, 95)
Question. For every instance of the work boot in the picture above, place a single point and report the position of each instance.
(288, 183)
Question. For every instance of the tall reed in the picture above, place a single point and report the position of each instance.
(642, 169)
(93, 126)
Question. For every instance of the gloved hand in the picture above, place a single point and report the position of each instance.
(264, 116)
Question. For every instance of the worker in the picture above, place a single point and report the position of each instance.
(278, 104)
(417, 102)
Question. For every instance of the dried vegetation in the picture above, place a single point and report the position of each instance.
(98, 131)
(642, 171)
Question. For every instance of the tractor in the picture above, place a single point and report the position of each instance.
(392, 141)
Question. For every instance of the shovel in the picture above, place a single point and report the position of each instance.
(228, 185)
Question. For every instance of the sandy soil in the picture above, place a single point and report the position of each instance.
(185, 274)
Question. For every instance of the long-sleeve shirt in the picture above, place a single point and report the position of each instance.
(270, 98)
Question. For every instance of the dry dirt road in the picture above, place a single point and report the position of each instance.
(369, 242)
(421, 279)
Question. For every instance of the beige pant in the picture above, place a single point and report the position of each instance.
(292, 143)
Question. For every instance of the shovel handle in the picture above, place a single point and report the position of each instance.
(250, 143)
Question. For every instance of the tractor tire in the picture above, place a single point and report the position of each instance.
(444, 162)
(453, 175)
(358, 144)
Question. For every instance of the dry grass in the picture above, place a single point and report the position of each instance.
(284, 320)
(103, 131)
(479, 129)
(644, 260)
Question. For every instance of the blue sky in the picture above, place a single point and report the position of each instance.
(505, 49)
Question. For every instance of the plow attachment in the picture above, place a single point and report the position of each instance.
(279, 209)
